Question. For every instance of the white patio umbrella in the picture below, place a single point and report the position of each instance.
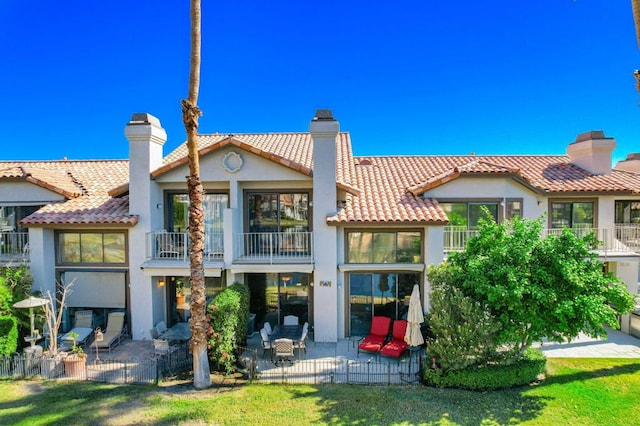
(415, 317)
(31, 302)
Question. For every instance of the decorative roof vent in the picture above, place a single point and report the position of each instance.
(364, 162)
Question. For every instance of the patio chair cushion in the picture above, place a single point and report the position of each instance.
(378, 334)
(396, 346)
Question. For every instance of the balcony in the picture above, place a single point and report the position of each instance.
(163, 245)
(261, 247)
(14, 247)
(274, 247)
(622, 238)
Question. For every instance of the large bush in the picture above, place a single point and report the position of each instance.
(228, 316)
(8, 335)
(533, 287)
(15, 285)
(490, 377)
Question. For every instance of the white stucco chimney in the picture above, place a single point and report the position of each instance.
(324, 131)
(146, 138)
(592, 151)
(630, 164)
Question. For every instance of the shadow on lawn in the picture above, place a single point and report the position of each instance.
(618, 370)
(72, 403)
(417, 405)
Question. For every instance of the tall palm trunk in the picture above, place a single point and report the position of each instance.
(190, 115)
(635, 5)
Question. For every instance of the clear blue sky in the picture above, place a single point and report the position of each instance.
(404, 77)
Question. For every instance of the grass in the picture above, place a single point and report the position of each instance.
(575, 392)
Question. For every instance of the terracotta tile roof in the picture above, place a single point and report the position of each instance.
(393, 186)
(292, 150)
(85, 184)
(55, 180)
(547, 174)
(384, 198)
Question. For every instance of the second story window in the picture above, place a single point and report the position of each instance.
(628, 212)
(91, 247)
(384, 247)
(572, 214)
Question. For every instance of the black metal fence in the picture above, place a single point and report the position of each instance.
(130, 371)
(332, 370)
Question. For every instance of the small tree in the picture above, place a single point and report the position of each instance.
(53, 315)
(536, 287)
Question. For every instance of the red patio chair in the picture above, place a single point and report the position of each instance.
(377, 335)
(396, 346)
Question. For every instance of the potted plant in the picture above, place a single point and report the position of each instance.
(75, 361)
(180, 297)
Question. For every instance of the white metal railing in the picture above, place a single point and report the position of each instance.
(14, 245)
(175, 245)
(621, 238)
(274, 246)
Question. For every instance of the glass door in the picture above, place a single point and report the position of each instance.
(274, 295)
(360, 303)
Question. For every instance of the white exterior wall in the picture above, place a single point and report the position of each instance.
(466, 188)
(25, 194)
(42, 259)
(325, 280)
(145, 201)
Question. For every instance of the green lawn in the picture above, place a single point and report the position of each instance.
(576, 391)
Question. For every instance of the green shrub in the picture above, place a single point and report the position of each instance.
(8, 335)
(490, 377)
(228, 315)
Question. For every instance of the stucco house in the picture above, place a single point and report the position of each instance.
(314, 230)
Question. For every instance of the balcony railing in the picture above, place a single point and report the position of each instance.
(14, 246)
(274, 247)
(175, 245)
(624, 238)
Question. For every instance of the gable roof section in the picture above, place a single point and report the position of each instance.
(383, 198)
(85, 184)
(291, 150)
(55, 180)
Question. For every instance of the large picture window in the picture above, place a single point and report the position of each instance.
(572, 214)
(628, 212)
(384, 247)
(278, 212)
(92, 247)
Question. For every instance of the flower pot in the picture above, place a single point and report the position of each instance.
(75, 366)
(51, 367)
(181, 299)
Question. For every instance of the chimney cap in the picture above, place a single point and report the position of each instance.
(143, 118)
(633, 156)
(323, 114)
(591, 135)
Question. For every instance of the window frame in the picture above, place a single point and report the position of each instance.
(372, 250)
(80, 233)
(552, 201)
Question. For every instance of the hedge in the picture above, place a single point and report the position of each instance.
(490, 377)
(8, 335)
(228, 315)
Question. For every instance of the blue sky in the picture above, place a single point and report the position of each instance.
(405, 77)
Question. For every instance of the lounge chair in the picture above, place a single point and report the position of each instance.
(396, 346)
(377, 335)
(116, 330)
(83, 326)
(266, 343)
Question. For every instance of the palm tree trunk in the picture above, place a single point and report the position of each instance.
(190, 115)
(635, 5)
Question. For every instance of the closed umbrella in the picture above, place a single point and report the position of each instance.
(415, 317)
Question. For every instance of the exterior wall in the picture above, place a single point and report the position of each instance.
(627, 271)
(465, 188)
(325, 291)
(42, 259)
(145, 200)
(25, 193)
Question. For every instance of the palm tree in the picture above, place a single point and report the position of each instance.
(190, 115)
(635, 5)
